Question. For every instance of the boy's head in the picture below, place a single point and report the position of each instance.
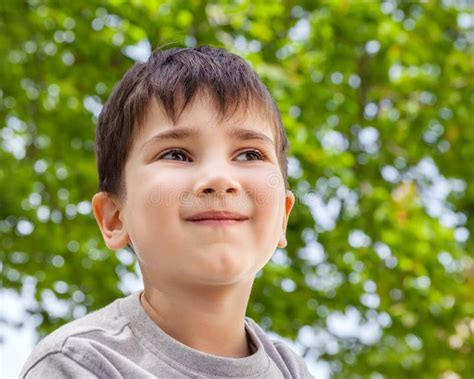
(193, 131)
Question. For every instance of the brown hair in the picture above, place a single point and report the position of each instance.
(174, 77)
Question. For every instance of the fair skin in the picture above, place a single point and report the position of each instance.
(198, 278)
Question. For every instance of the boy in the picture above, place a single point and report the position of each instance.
(192, 162)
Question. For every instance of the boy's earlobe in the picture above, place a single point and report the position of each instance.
(289, 202)
(107, 215)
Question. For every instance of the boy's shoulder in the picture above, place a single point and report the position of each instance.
(279, 348)
(100, 325)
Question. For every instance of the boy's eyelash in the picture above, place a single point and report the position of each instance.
(171, 151)
(260, 154)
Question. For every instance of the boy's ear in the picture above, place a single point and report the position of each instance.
(289, 202)
(107, 215)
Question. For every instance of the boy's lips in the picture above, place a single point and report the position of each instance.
(216, 216)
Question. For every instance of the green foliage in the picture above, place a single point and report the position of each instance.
(377, 101)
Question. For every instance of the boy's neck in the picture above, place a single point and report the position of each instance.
(213, 325)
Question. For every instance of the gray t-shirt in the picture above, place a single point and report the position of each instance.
(122, 341)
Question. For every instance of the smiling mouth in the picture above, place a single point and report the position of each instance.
(217, 222)
(217, 218)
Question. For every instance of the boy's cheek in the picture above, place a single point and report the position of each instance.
(158, 195)
(268, 190)
(153, 190)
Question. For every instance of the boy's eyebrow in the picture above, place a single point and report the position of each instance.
(248, 135)
(185, 133)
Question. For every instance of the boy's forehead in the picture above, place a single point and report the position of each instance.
(203, 113)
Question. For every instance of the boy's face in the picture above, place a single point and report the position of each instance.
(169, 180)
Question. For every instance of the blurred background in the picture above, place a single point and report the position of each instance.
(377, 99)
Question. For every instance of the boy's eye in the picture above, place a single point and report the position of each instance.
(175, 154)
(181, 155)
(253, 153)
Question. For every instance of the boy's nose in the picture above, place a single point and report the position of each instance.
(218, 182)
(212, 190)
